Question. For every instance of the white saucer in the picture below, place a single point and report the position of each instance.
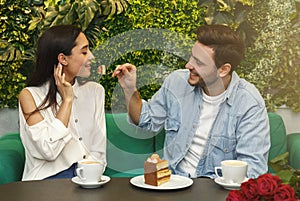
(228, 186)
(104, 180)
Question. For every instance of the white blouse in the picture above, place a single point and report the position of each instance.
(50, 147)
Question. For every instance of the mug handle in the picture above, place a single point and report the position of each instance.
(216, 171)
(79, 173)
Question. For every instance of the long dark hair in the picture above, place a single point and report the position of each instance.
(55, 40)
(228, 46)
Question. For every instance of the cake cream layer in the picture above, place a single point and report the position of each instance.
(150, 167)
(152, 179)
(163, 180)
(163, 173)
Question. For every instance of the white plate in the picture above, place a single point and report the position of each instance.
(228, 186)
(104, 180)
(176, 182)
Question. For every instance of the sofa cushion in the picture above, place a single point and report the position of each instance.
(278, 137)
(12, 158)
(293, 144)
(127, 146)
(14, 136)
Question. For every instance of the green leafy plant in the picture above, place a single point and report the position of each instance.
(178, 16)
(286, 76)
(87, 14)
(153, 39)
(271, 32)
(288, 174)
(270, 28)
(15, 39)
(233, 13)
(275, 54)
(21, 24)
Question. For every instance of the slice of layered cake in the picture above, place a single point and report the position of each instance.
(156, 171)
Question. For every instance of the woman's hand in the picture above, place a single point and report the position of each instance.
(66, 92)
(64, 88)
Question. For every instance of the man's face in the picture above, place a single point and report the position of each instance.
(203, 71)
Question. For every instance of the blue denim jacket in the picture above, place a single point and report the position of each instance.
(240, 131)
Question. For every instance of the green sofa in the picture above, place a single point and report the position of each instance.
(129, 146)
(127, 149)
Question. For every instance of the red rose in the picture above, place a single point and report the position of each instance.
(285, 193)
(235, 195)
(249, 188)
(267, 185)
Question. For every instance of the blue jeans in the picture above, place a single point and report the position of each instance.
(68, 173)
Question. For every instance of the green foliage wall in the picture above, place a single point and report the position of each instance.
(271, 29)
(23, 21)
(273, 61)
(15, 39)
(179, 16)
(169, 27)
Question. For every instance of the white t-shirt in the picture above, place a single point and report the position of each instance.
(210, 109)
(50, 147)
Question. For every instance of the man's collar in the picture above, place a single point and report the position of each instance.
(231, 87)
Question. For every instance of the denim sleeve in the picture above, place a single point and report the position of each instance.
(154, 112)
(253, 140)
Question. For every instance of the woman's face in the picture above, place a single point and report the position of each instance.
(79, 62)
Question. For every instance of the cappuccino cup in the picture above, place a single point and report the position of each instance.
(233, 171)
(89, 171)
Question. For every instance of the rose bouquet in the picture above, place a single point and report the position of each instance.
(285, 186)
(266, 187)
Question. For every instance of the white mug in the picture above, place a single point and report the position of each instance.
(233, 171)
(89, 171)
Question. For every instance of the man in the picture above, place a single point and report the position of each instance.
(208, 112)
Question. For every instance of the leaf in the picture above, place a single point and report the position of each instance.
(50, 15)
(113, 8)
(86, 12)
(283, 157)
(223, 18)
(280, 163)
(69, 17)
(33, 23)
(285, 175)
(119, 7)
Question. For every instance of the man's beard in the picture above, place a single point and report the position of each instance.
(201, 83)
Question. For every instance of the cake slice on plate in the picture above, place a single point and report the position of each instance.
(156, 171)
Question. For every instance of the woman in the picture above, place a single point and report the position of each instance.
(61, 119)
